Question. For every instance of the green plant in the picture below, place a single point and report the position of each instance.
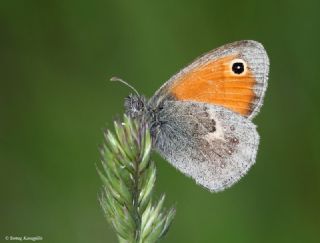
(128, 177)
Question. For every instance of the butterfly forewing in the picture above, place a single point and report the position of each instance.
(233, 76)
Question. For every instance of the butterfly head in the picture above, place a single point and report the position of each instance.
(135, 105)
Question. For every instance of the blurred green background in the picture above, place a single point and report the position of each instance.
(56, 58)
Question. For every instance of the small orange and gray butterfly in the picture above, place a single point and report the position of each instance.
(201, 119)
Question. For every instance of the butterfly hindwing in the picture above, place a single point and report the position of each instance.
(209, 143)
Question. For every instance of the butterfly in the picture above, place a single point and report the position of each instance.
(201, 118)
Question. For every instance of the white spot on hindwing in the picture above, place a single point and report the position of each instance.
(219, 131)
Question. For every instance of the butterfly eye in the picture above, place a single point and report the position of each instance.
(238, 66)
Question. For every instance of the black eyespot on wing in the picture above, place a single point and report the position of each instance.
(238, 67)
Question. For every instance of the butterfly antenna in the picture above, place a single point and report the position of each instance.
(125, 83)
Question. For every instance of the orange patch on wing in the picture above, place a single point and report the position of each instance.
(215, 83)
